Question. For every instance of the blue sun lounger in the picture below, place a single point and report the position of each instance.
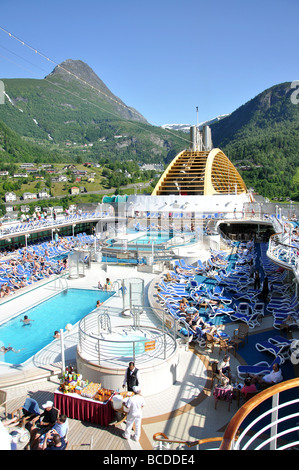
(214, 311)
(281, 350)
(280, 340)
(261, 368)
(250, 320)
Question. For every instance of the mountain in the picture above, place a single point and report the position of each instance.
(71, 115)
(261, 138)
(80, 72)
(186, 127)
(14, 149)
(72, 111)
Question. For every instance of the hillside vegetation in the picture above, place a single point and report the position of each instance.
(62, 114)
(262, 140)
(72, 116)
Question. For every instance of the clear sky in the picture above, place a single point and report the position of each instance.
(162, 57)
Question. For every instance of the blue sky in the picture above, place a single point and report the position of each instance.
(162, 57)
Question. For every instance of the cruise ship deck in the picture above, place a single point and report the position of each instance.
(184, 412)
(210, 218)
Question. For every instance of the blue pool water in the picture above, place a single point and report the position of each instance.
(150, 237)
(122, 345)
(155, 237)
(53, 314)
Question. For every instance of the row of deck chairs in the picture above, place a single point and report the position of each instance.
(184, 285)
(24, 271)
(49, 221)
(56, 250)
(246, 306)
(237, 281)
(283, 302)
(244, 303)
(250, 309)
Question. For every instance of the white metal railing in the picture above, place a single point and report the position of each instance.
(284, 254)
(98, 347)
(274, 429)
(49, 222)
(60, 282)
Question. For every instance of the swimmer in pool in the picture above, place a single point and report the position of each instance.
(99, 303)
(56, 334)
(26, 320)
(5, 350)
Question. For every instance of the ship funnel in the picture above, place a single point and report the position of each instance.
(207, 138)
(195, 139)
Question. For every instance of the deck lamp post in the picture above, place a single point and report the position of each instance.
(68, 328)
(27, 235)
(62, 351)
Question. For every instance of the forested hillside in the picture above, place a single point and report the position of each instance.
(72, 112)
(262, 140)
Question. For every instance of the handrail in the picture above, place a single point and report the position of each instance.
(58, 279)
(161, 437)
(291, 251)
(92, 344)
(236, 422)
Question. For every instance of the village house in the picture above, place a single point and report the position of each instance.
(10, 197)
(28, 195)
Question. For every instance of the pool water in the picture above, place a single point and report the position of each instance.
(155, 237)
(53, 314)
(122, 345)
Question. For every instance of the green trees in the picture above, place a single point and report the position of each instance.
(262, 136)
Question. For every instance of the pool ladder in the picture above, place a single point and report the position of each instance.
(60, 283)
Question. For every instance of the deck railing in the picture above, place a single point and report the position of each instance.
(267, 436)
(131, 341)
(263, 432)
(284, 253)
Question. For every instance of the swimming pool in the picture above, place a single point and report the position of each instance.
(149, 238)
(53, 314)
(154, 237)
(122, 345)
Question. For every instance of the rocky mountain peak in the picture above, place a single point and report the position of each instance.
(77, 70)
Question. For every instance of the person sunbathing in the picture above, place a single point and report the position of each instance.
(218, 260)
(201, 328)
(290, 320)
(168, 277)
(183, 304)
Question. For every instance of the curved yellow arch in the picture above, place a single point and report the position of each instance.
(221, 177)
(200, 173)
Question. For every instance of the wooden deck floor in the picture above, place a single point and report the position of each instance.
(80, 433)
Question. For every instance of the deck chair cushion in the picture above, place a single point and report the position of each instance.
(184, 331)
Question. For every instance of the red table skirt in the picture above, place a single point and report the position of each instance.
(84, 409)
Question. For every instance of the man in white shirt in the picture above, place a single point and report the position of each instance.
(135, 405)
(5, 440)
(274, 377)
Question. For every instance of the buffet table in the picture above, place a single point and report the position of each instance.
(84, 409)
